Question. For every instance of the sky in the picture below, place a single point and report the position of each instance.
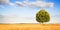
(24, 11)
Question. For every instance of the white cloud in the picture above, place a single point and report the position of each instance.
(21, 3)
(50, 4)
(4, 2)
(11, 4)
(35, 4)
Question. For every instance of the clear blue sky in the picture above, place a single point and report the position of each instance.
(29, 12)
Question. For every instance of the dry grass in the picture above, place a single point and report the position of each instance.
(29, 26)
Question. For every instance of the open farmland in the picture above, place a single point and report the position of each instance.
(29, 26)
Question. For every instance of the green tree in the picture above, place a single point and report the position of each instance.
(42, 16)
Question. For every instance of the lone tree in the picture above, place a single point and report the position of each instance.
(42, 16)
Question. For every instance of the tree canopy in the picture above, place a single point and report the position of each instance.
(42, 16)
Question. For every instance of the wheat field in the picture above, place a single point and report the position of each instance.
(29, 26)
